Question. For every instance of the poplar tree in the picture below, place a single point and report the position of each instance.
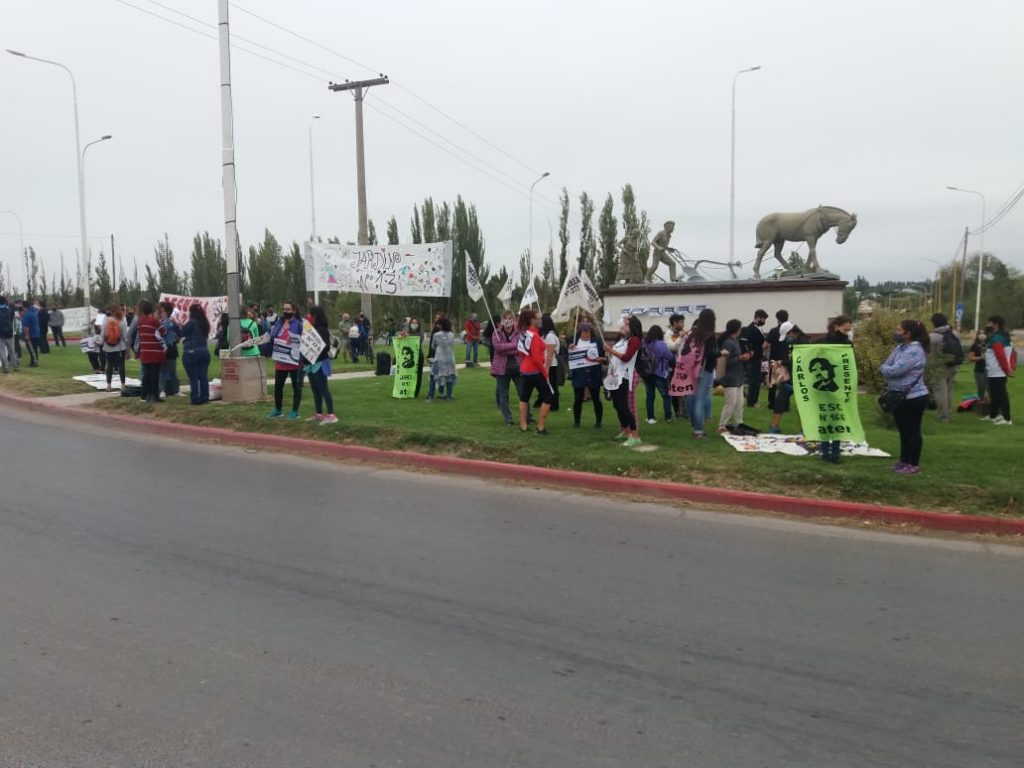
(563, 236)
(607, 264)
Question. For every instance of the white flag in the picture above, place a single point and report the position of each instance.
(571, 295)
(475, 290)
(505, 294)
(529, 296)
(591, 299)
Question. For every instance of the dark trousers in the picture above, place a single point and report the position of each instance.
(150, 378)
(998, 397)
(753, 381)
(94, 361)
(318, 385)
(169, 375)
(654, 385)
(33, 350)
(58, 335)
(280, 377)
(552, 378)
(595, 397)
(908, 420)
(115, 362)
(620, 399)
(44, 342)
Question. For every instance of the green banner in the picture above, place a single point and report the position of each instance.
(407, 363)
(825, 388)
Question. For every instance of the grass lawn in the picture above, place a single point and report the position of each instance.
(969, 466)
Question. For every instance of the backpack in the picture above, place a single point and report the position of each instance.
(952, 347)
(112, 332)
(644, 361)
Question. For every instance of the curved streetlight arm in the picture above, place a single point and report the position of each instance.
(530, 249)
(981, 250)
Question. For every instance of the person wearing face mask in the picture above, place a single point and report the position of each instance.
(674, 341)
(839, 330)
(586, 356)
(472, 340)
(622, 369)
(286, 335)
(752, 340)
(976, 355)
(782, 373)
(30, 333)
(943, 364)
(414, 329)
(505, 365)
(998, 368)
(904, 372)
(532, 353)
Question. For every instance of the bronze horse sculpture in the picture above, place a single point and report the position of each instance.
(778, 228)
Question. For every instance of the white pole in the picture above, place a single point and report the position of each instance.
(981, 252)
(228, 172)
(732, 168)
(312, 198)
(538, 181)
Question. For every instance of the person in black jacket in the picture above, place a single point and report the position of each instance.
(776, 349)
(782, 372)
(752, 342)
(44, 328)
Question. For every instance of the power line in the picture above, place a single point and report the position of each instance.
(1008, 206)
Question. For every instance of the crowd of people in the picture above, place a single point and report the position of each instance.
(25, 328)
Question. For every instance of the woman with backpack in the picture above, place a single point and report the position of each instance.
(904, 373)
(319, 371)
(654, 364)
(286, 337)
(195, 356)
(152, 352)
(114, 340)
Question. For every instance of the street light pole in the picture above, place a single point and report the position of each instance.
(312, 199)
(81, 176)
(21, 240)
(538, 181)
(981, 252)
(732, 168)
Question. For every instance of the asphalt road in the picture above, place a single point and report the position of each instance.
(167, 604)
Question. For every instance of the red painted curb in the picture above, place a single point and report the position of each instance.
(789, 505)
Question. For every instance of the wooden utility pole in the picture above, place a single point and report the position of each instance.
(359, 89)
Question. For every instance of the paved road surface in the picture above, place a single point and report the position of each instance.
(173, 605)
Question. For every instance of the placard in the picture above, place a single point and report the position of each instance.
(418, 269)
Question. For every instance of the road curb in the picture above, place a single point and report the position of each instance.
(695, 494)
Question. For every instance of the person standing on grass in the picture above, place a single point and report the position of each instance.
(30, 333)
(656, 380)
(532, 353)
(57, 326)
(976, 355)
(8, 358)
(319, 372)
(943, 364)
(443, 373)
(752, 340)
(505, 364)
(586, 376)
(782, 373)
(250, 329)
(552, 346)
(904, 372)
(732, 381)
(286, 336)
(998, 368)
(776, 348)
(44, 328)
(674, 342)
(115, 346)
(151, 351)
(704, 344)
(169, 382)
(839, 329)
(195, 354)
(621, 373)
(414, 329)
(472, 329)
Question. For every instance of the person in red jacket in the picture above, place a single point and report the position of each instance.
(152, 351)
(534, 371)
(472, 328)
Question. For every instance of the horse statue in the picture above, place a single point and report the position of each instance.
(778, 228)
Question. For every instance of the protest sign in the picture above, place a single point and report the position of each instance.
(529, 295)
(213, 306)
(825, 388)
(407, 357)
(311, 344)
(583, 355)
(421, 269)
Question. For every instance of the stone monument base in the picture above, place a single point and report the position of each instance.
(810, 300)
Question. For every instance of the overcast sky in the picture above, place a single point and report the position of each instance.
(871, 106)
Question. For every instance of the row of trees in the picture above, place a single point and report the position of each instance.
(272, 272)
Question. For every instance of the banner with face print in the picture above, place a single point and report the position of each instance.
(407, 354)
(825, 389)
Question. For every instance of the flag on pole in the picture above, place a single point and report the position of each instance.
(591, 299)
(530, 295)
(473, 286)
(505, 294)
(571, 295)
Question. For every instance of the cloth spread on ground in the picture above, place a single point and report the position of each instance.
(795, 445)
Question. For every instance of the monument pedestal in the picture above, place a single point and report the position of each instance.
(810, 301)
(242, 379)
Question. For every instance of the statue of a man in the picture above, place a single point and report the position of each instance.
(660, 254)
(630, 269)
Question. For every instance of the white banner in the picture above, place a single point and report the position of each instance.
(571, 295)
(592, 299)
(473, 287)
(311, 344)
(505, 294)
(529, 295)
(77, 318)
(213, 306)
(388, 270)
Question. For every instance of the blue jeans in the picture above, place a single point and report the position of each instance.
(698, 405)
(655, 384)
(197, 366)
(472, 352)
(169, 376)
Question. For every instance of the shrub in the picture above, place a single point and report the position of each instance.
(872, 341)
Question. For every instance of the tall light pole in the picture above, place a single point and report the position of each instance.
(21, 239)
(732, 167)
(981, 252)
(81, 176)
(936, 299)
(538, 181)
(312, 198)
(88, 260)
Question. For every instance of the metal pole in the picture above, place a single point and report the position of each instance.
(981, 266)
(312, 197)
(963, 280)
(530, 249)
(732, 168)
(228, 173)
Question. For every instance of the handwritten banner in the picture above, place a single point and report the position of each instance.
(387, 270)
(407, 357)
(213, 306)
(825, 388)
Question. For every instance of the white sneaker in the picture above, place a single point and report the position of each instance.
(1005, 423)
(652, 421)
(998, 420)
(986, 418)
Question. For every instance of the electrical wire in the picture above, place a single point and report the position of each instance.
(1008, 206)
